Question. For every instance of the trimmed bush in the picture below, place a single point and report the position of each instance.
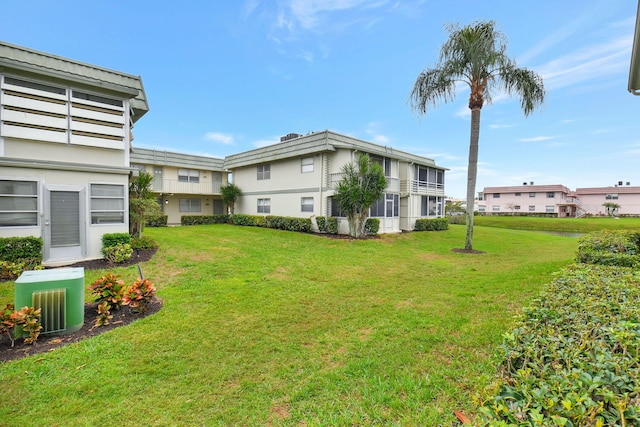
(112, 239)
(372, 226)
(332, 225)
(158, 221)
(573, 357)
(610, 247)
(321, 221)
(138, 243)
(431, 224)
(204, 219)
(19, 248)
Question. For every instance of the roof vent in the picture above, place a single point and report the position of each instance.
(531, 183)
(524, 183)
(289, 136)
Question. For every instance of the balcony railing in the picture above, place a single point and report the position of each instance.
(181, 187)
(420, 187)
(393, 184)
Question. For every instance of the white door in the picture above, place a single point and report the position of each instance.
(63, 225)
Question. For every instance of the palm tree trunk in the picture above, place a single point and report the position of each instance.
(472, 172)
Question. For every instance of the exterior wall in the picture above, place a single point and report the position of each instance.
(65, 133)
(528, 200)
(627, 197)
(90, 242)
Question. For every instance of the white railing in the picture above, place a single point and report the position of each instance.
(393, 184)
(181, 187)
(420, 187)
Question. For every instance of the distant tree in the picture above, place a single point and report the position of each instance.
(612, 208)
(512, 207)
(453, 208)
(142, 203)
(230, 194)
(362, 184)
(475, 55)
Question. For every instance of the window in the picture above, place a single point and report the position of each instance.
(611, 197)
(431, 206)
(190, 205)
(188, 175)
(264, 172)
(495, 208)
(384, 162)
(107, 204)
(532, 208)
(496, 195)
(18, 203)
(386, 206)
(335, 208)
(550, 208)
(551, 195)
(306, 165)
(264, 205)
(306, 204)
(518, 194)
(532, 194)
(482, 208)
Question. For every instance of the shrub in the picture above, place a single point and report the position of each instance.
(138, 295)
(610, 247)
(108, 289)
(204, 219)
(27, 318)
(431, 224)
(18, 248)
(372, 226)
(158, 221)
(321, 222)
(332, 225)
(11, 270)
(112, 239)
(572, 359)
(458, 219)
(138, 243)
(104, 314)
(118, 253)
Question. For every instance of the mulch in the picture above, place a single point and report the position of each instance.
(50, 342)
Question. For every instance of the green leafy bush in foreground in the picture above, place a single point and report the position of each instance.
(574, 357)
(610, 247)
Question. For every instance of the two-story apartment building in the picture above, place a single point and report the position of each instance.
(558, 200)
(185, 184)
(297, 177)
(65, 138)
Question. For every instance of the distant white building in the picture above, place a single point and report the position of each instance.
(558, 200)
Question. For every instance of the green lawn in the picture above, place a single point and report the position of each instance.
(562, 225)
(266, 327)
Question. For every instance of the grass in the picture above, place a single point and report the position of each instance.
(265, 327)
(561, 225)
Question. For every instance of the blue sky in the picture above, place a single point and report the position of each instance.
(224, 77)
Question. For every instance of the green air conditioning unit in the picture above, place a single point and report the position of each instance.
(58, 293)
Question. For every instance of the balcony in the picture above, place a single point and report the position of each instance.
(181, 187)
(421, 187)
(393, 184)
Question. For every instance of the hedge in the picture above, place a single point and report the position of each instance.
(371, 226)
(327, 225)
(113, 239)
(573, 358)
(159, 221)
(204, 219)
(610, 247)
(431, 224)
(19, 248)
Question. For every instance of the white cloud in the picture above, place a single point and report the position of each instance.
(536, 139)
(266, 142)
(219, 137)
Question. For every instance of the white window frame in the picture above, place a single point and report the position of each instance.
(532, 208)
(551, 195)
(264, 206)
(264, 172)
(188, 175)
(190, 205)
(306, 164)
(550, 209)
(306, 204)
(101, 215)
(495, 208)
(15, 199)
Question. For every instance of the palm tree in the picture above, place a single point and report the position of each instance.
(142, 203)
(475, 55)
(230, 194)
(363, 183)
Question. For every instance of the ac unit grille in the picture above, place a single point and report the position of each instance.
(52, 305)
